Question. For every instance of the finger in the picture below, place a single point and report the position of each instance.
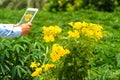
(29, 25)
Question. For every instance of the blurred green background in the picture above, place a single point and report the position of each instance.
(16, 54)
(62, 5)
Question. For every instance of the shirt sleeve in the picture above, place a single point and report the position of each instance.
(9, 31)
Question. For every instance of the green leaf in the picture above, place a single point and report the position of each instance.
(19, 72)
(27, 57)
(104, 75)
(7, 53)
(13, 71)
(18, 48)
(2, 69)
(23, 70)
(10, 63)
(22, 62)
(118, 59)
(7, 67)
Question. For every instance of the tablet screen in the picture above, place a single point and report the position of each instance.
(28, 16)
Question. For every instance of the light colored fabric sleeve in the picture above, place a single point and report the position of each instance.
(9, 31)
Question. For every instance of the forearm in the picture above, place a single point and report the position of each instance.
(8, 31)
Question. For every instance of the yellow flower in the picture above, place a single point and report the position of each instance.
(51, 32)
(98, 35)
(71, 23)
(28, 17)
(49, 38)
(34, 64)
(87, 31)
(57, 52)
(48, 66)
(37, 72)
(46, 31)
(54, 56)
(96, 27)
(54, 48)
(84, 24)
(60, 51)
(57, 30)
(75, 34)
(67, 51)
(77, 25)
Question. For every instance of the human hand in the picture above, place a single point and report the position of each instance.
(25, 28)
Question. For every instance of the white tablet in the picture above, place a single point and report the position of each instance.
(28, 16)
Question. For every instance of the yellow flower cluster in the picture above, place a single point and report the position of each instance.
(88, 29)
(74, 33)
(37, 72)
(48, 66)
(28, 17)
(38, 69)
(57, 52)
(50, 33)
(34, 65)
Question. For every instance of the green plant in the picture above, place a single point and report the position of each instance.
(79, 39)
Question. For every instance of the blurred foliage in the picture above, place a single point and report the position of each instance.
(71, 5)
(20, 4)
(62, 5)
(101, 5)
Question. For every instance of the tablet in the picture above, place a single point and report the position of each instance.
(28, 16)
